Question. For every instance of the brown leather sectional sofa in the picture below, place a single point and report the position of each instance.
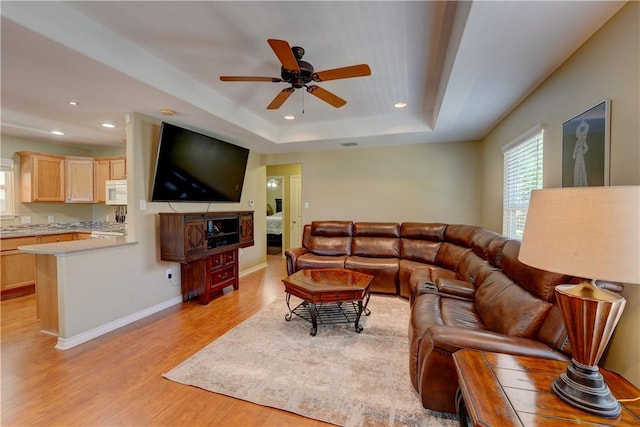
(466, 288)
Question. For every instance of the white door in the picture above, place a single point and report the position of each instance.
(295, 209)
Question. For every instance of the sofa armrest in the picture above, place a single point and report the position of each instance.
(455, 287)
(291, 255)
(451, 339)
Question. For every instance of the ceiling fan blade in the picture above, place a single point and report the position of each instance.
(283, 51)
(249, 79)
(326, 96)
(280, 98)
(359, 70)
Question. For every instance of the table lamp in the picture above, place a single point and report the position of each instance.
(593, 233)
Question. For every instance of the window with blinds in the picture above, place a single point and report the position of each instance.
(522, 173)
(6, 187)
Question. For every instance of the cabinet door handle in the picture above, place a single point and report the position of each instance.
(223, 276)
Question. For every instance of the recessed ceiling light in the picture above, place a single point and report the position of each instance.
(400, 104)
(289, 117)
(108, 125)
(57, 132)
(74, 103)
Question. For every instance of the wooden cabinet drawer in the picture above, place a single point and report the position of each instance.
(218, 260)
(222, 275)
(53, 238)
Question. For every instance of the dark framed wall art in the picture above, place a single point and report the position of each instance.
(585, 147)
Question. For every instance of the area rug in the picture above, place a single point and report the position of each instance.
(338, 376)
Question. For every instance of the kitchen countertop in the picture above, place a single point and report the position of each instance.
(74, 246)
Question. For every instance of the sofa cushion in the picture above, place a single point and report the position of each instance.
(376, 247)
(332, 228)
(383, 270)
(423, 231)
(553, 331)
(376, 229)
(310, 260)
(449, 255)
(460, 235)
(330, 246)
(538, 282)
(469, 266)
(424, 251)
(507, 308)
(460, 313)
(488, 244)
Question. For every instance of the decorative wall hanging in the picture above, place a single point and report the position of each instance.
(585, 147)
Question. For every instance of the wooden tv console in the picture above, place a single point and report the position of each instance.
(206, 246)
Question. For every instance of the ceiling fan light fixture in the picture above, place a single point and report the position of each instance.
(289, 117)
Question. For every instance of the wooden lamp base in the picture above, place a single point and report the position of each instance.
(583, 387)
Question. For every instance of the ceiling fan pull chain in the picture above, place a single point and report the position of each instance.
(303, 101)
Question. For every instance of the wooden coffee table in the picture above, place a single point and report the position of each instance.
(331, 295)
(505, 390)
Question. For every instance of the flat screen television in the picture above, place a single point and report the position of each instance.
(192, 167)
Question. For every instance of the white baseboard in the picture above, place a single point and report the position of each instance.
(67, 343)
(252, 269)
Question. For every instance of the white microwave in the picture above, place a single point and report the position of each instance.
(116, 192)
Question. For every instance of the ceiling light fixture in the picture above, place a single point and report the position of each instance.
(289, 117)
(57, 132)
(400, 104)
(74, 103)
(167, 112)
(108, 125)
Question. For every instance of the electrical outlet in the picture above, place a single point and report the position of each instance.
(25, 220)
(50, 219)
(169, 273)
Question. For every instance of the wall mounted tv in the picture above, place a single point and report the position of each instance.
(191, 167)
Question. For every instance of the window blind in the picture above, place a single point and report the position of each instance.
(6, 187)
(522, 173)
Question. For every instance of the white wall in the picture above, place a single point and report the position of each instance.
(606, 66)
(422, 182)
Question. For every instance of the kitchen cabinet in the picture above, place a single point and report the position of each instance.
(41, 177)
(17, 269)
(79, 180)
(107, 168)
(118, 168)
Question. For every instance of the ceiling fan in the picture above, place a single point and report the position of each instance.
(300, 73)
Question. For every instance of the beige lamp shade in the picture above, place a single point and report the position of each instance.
(589, 232)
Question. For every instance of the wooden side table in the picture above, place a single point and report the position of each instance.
(504, 390)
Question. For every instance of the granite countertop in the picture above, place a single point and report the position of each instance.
(59, 228)
(75, 246)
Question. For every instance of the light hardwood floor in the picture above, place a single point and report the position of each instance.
(115, 380)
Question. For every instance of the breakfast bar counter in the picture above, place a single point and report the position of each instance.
(49, 295)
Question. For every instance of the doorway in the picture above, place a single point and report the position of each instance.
(284, 195)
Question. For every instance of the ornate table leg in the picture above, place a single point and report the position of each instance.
(357, 323)
(289, 315)
(314, 319)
